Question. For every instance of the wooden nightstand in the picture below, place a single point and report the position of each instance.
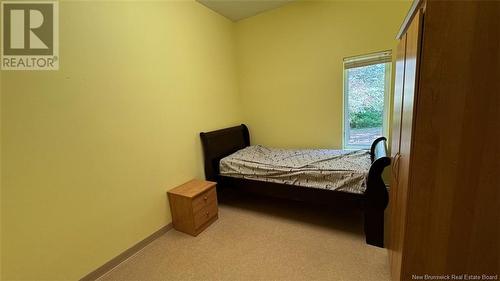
(193, 206)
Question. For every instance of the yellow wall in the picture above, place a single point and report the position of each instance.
(290, 66)
(89, 150)
(1, 218)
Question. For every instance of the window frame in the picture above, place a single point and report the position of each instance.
(387, 92)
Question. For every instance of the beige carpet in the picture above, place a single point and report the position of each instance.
(263, 239)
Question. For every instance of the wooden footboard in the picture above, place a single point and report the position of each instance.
(376, 194)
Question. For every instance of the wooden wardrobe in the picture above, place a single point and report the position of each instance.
(444, 198)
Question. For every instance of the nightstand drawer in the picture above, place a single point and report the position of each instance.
(205, 214)
(205, 199)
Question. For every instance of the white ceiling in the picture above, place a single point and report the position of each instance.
(239, 9)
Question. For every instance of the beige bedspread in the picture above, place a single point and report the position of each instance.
(339, 170)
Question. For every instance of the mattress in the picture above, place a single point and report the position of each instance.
(339, 170)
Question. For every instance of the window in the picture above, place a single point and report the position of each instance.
(366, 92)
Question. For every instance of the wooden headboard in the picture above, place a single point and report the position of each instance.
(221, 143)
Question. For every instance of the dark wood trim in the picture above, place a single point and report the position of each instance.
(114, 262)
(409, 17)
(221, 143)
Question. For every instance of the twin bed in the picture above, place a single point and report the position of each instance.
(314, 175)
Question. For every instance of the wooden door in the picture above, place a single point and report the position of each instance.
(394, 221)
(410, 86)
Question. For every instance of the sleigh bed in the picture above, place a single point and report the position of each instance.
(318, 176)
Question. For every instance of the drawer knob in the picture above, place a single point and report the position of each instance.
(207, 214)
(206, 198)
